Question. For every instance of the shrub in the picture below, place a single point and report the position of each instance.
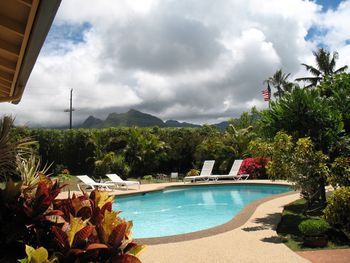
(192, 172)
(340, 172)
(255, 167)
(148, 177)
(77, 229)
(337, 212)
(313, 227)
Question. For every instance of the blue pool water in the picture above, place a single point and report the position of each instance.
(189, 209)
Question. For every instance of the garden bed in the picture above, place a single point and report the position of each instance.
(288, 229)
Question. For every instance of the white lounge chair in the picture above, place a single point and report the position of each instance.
(234, 172)
(205, 174)
(115, 179)
(88, 181)
(174, 176)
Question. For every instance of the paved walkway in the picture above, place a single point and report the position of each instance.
(327, 256)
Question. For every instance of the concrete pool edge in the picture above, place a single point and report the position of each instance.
(238, 220)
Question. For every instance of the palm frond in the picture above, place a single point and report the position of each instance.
(341, 70)
(314, 71)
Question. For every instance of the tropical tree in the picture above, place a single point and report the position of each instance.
(143, 152)
(304, 113)
(325, 67)
(301, 164)
(279, 81)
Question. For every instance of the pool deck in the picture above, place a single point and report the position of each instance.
(255, 240)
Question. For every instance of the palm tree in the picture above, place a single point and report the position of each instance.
(325, 67)
(280, 81)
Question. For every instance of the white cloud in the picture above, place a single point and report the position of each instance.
(200, 61)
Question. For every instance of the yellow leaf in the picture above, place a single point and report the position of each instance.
(76, 224)
(136, 250)
(110, 221)
(39, 255)
(101, 198)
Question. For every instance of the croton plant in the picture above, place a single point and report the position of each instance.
(37, 227)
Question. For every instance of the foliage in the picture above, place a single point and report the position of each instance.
(290, 234)
(23, 217)
(259, 147)
(192, 172)
(79, 228)
(39, 255)
(304, 113)
(255, 167)
(300, 163)
(148, 177)
(325, 67)
(9, 149)
(140, 151)
(340, 172)
(313, 227)
(337, 212)
(93, 232)
(337, 91)
(143, 152)
(280, 81)
(30, 170)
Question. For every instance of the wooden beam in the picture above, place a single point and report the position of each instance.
(9, 48)
(26, 2)
(5, 83)
(12, 25)
(7, 65)
(3, 93)
(5, 88)
(6, 76)
(26, 35)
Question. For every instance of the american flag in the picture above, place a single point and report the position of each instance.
(266, 93)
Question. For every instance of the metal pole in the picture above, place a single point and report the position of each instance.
(70, 109)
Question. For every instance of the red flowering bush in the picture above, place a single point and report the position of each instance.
(255, 167)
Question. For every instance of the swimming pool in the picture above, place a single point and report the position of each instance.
(184, 210)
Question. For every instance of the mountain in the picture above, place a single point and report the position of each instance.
(92, 122)
(132, 118)
(222, 125)
(140, 119)
(175, 124)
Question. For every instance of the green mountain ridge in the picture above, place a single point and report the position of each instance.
(134, 118)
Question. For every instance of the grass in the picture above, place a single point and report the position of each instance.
(288, 229)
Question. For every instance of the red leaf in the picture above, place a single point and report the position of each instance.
(82, 234)
(60, 236)
(117, 234)
(126, 258)
(107, 206)
(130, 246)
(96, 246)
(76, 251)
(41, 190)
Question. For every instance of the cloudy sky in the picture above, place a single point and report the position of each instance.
(201, 61)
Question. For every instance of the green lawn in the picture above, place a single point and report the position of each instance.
(290, 234)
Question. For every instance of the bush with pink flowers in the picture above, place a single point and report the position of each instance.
(255, 167)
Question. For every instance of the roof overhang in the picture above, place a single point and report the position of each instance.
(24, 25)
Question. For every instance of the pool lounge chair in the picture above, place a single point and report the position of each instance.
(174, 176)
(119, 182)
(234, 172)
(88, 181)
(205, 174)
